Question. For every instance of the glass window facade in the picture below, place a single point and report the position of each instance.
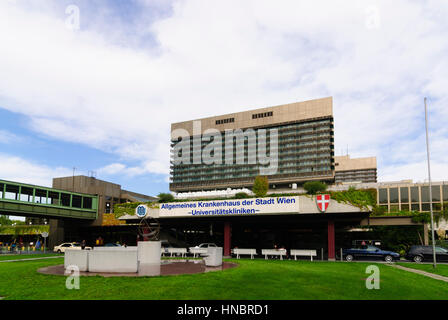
(404, 194)
(305, 150)
(435, 193)
(393, 195)
(425, 194)
(415, 194)
(383, 196)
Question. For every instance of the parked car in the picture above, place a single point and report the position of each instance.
(369, 253)
(72, 245)
(424, 253)
(206, 245)
(112, 245)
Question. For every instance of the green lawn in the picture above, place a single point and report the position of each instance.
(26, 256)
(442, 269)
(252, 279)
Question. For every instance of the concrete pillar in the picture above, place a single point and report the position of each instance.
(425, 234)
(331, 241)
(56, 234)
(227, 239)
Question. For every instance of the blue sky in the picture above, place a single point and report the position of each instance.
(101, 97)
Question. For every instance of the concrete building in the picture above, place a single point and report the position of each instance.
(108, 194)
(355, 170)
(305, 147)
(404, 195)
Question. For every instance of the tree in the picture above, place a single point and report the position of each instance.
(313, 187)
(165, 197)
(261, 186)
(4, 221)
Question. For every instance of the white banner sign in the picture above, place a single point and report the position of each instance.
(231, 207)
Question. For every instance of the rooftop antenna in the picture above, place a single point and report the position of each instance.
(73, 179)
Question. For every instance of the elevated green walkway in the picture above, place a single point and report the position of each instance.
(19, 199)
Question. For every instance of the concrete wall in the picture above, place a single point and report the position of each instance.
(113, 261)
(344, 163)
(296, 111)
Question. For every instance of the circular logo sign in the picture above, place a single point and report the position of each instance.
(45, 234)
(141, 211)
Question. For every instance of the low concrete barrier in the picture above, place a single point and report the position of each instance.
(118, 260)
(76, 257)
(114, 248)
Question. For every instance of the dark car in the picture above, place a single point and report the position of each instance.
(424, 253)
(369, 253)
(112, 245)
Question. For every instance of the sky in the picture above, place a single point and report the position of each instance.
(95, 84)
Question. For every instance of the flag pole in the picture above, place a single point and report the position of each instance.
(430, 189)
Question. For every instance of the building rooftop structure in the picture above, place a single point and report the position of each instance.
(304, 149)
(357, 169)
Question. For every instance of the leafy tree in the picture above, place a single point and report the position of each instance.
(313, 187)
(261, 186)
(165, 197)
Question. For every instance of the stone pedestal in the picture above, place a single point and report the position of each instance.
(148, 252)
(214, 257)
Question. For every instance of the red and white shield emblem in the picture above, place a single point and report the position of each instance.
(323, 201)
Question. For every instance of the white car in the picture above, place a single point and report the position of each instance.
(206, 245)
(72, 245)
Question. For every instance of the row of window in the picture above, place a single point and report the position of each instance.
(412, 194)
(262, 115)
(41, 196)
(228, 120)
(196, 177)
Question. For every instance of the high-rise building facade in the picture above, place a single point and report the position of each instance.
(299, 145)
(355, 170)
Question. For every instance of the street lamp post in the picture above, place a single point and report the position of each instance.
(430, 190)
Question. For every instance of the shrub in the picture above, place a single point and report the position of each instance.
(241, 195)
(313, 187)
(261, 186)
(165, 197)
(359, 198)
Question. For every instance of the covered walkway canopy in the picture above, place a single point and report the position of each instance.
(19, 199)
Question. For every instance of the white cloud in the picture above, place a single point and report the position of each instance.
(8, 137)
(17, 169)
(216, 57)
(153, 167)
